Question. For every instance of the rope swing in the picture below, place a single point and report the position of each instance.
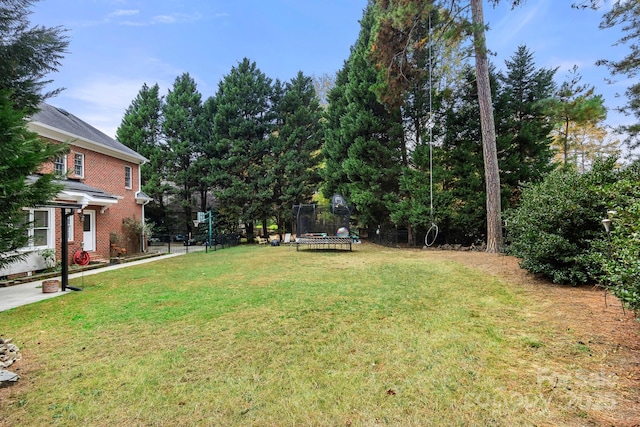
(432, 233)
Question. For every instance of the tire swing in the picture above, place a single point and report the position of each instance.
(432, 233)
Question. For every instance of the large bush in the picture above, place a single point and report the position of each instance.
(620, 256)
(557, 229)
(554, 229)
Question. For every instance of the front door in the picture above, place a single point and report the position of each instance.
(89, 231)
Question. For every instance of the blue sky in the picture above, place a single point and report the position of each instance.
(117, 45)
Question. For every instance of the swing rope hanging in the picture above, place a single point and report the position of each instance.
(432, 233)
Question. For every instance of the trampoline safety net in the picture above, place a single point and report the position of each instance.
(328, 220)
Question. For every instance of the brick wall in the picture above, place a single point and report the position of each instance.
(108, 174)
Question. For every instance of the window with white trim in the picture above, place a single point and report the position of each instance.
(78, 164)
(127, 177)
(60, 165)
(40, 232)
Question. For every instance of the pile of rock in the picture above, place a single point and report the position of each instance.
(9, 353)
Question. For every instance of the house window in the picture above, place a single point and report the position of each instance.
(60, 165)
(41, 230)
(127, 177)
(78, 164)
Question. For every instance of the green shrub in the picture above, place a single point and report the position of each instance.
(557, 229)
(620, 256)
(553, 229)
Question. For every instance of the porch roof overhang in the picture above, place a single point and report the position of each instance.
(60, 205)
(86, 195)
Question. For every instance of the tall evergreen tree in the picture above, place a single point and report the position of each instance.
(487, 125)
(335, 148)
(296, 145)
(462, 217)
(373, 133)
(412, 56)
(524, 129)
(22, 153)
(141, 130)
(182, 127)
(27, 55)
(203, 163)
(404, 19)
(242, 125)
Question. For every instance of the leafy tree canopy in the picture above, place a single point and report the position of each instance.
(626, 16)
(27, 55)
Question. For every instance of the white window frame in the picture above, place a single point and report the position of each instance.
(60, 162)
(128, 177)
(49, 229)
(79, 166)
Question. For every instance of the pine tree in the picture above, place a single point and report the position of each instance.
(592, 142)
(296, 145)
(524, 129)
(373, 134)
(487, 125)
(208, 154)
(28, 55)
(21, 154)
(141, 130)
(461, 207)
(398, 45)
(242, 126)
(574, 105)
(626, 14)
(182, 128)
(335, 148)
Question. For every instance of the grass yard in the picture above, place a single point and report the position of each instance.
(267, 336)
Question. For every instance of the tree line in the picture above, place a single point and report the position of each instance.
(399, 137)
(249, 153)
(397, 131)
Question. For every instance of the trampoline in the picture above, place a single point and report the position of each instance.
(323, 226)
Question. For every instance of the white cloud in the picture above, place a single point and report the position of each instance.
(123, 12)
(176, 18)
(102, 101)
(514, 22)
(163, 19)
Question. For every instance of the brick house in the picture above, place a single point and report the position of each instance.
(101, 176)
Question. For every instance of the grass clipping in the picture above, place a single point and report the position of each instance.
(270, 336)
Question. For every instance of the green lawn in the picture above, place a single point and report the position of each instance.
(267, 336)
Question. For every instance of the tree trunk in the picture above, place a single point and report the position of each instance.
(248, 226)
(203, 199)
(491, 170)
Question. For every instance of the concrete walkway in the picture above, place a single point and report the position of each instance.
(26, 293)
